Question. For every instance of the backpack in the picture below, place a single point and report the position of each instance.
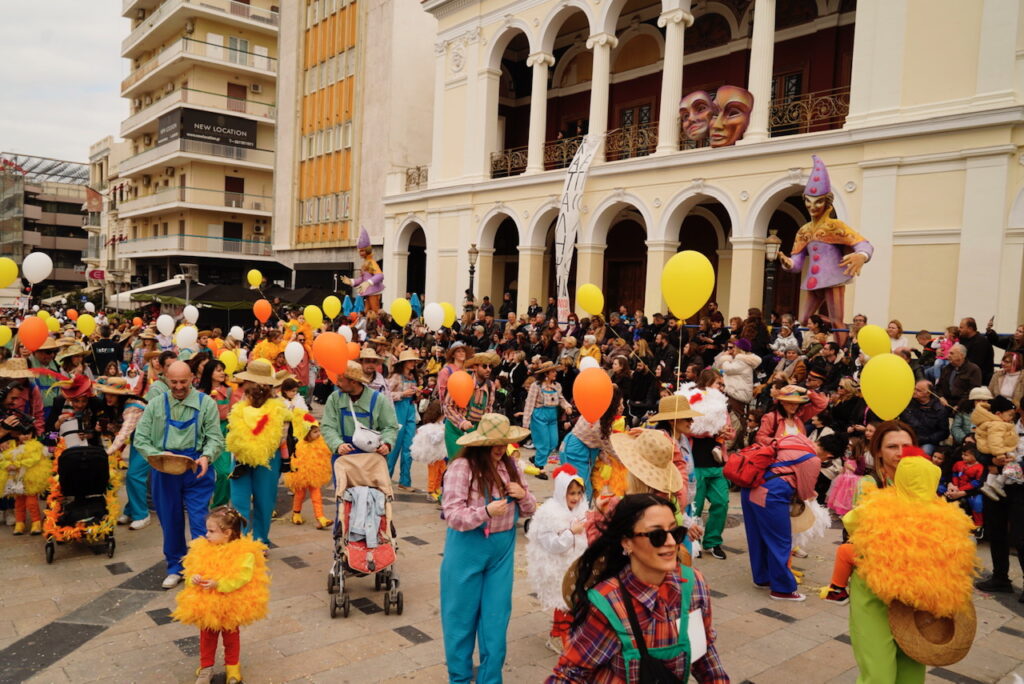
(748, 468)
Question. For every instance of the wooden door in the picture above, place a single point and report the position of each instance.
(237, 94)
(234, 192)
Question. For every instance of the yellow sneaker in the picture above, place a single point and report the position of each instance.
(204, 675)
(37, 528)
(297, 519)
(234, 673)
(19, 529)
(323, 523)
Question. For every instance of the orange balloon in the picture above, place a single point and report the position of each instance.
(460, 386)
(330, 352)
(261, 309)
(72, 314)
(595, 394)
(33, 332)
(353, 350)
(137, 322)
(332, 376)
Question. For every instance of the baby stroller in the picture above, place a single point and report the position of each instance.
(363, 483)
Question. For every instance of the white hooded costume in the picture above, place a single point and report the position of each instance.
(713, 406)
(428, 443)
(551, 546)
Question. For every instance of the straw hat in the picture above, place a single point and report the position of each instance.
(673, 407)
(487, 358)
(80, 386)
(259, 371)
(648, 456)
(15, 368)
(544, 368)
(930, 640)
(493, 429)
(801, 517)
(61, 343)
(147, 335)
(48, 344)
(369, 353)
(150, 355)
(112, 386)
(354, 372)
(205, 333)
(74, 349)
(408, 355)
(171, 464)
(793, 394)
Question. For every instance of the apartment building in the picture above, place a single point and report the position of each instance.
(104, 268)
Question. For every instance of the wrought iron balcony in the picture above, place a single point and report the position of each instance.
(632, 141)
(558, 154)
(823, 110)
(507, 163)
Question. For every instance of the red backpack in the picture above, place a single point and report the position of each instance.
(748, 467)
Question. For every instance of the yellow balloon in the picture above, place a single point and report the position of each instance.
(313, 315)
(5, 335)
(687, 282)
(449, 314)
(254, 277)
(332, 306)
(887, 383)
(873, 340)
(43, 313)
(52, 324)
(401, 311)
(590, 298)
(8, 271)
(230, 361)
(86, 324)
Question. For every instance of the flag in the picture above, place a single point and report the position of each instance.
(569, 219)
(93, 201)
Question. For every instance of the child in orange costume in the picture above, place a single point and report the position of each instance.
(428, 447)
(311, 470)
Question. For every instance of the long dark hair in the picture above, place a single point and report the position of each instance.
(604, 557)
(206, 379)
(484, 470)
(610, 413)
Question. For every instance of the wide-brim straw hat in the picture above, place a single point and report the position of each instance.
(408, 355)
(147, 335)
(61, 343)
(369, 353)
(150, 355)
(171, 464)
(801, 517)
(48, 344)
(112, 386)
(15, 368)
(259, 371)
(930, 640)
(673, 408)
(648, 456)
(205, 333)
(544, 368)
(74, 349)
(493, 430)
(487, 358)
(354, 372)
(793, 394)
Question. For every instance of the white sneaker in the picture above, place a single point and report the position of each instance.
(139, 524)
(989, 491)
(123, 519)
(9, 517)
(554, 644)
(799, 553)
(171, 581)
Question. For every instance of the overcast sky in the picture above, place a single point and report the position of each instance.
(60, 73)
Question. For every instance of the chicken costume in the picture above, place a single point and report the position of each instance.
(311, 470)
(24, 475)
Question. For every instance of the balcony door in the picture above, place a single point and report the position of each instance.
(232, 236)
(236, 97)
(787, 117)
(234, 192)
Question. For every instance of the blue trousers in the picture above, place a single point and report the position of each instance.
(135, 485)
(581, 457)
(254, 494)
(406, 414)
(770, 536)
(173, 495)
(476, 602)
(544, 430)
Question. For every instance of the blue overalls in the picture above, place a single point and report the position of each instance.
(579, 456)
(254, 495)
(136, 481)
(544, 430)
(174, 494)
(405, 411)
(476, 599)
(368, 416)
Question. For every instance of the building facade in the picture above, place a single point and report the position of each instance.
(914, 105)
(197, 186)
(105, 269)
(354, 111)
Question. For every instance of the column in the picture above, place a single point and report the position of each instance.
(723, 280)
(589, 268)
(873, 289)
(399, 273)
(876, 86)
(531, 276)
(432, 285)
(658, 254)
(675, 22)
(539, 62)
(483, 145)
(997, 73)
(485, 276)
(602, 45)
(437, 164)
(746, 286)
(759, 82)
(981, 241)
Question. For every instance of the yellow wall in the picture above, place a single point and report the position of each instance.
(940, 54)
(924, 280)
(944, 205)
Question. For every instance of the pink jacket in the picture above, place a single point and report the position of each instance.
(773, 426)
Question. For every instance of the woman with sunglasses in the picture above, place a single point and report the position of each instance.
(631, 575)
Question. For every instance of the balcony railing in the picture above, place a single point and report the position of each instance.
(823, 110)
(203, 196)
(193, 244)
(416, 177)
(631, 141)
(508, 162)
(199, 48)
(235, 9)
(264, 110)
(255, 156)
(558, 154)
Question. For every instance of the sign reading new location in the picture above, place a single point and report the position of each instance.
(193, 124)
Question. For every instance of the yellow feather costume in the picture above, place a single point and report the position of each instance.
(255, 434)
(911, 546)
(311, 465)
(32, 457)
(217, 610)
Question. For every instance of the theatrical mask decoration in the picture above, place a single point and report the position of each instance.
(721, 120)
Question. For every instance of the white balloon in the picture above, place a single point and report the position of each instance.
(433, 316)
(63, 300)
(165, 324)
(236, 332)
(35, 307)
(294, 353)
(190, 313)
(90, 307)
(187, 336)
(37, 267)
(346, 332)
(588, 362)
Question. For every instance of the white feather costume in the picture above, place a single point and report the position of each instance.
(710, 402)
(822, 524)
(428, 443)
(551, 546)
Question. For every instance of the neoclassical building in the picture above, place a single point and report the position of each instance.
(914, 105)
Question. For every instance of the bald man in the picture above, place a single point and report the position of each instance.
(181, 421)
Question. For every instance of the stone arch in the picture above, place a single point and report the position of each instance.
(491, 221)
(567, 60)
(596, 232)
(710, 217)
(768, 200)
(684, 201)
(537, 231)
(503, 36)
(635, 32)
(552, 24)
(735, 23)
(406, 228)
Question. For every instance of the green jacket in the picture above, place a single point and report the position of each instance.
(337, 426)
(156, 389)
(154, 434)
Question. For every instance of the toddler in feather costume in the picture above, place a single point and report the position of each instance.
(428, 447)
(310, 469)
(227, 587)
(24, 475)
(555, 539)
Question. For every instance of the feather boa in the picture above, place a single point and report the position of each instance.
(212, 609)
(255, 434)
(917, 552)
(710, 402)
(36, 464)
(822, 524)
(311, 466)
(428, 443)
(55, 506)
(544, 568)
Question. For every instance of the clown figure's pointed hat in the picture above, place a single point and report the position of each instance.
(818, 184)
(364, 239)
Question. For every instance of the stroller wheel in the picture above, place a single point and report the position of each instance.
(330, 583)
(334, 606)
(377, 582)
(50, 548)
(399, 603)
(346, 606)
(111, 545)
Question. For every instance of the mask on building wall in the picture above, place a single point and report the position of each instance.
(732, 115)
(696, 111)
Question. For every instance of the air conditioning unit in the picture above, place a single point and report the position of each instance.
(169, 88)
(147, 140)
(190, 27)
(259, 229)
(256, 87)
(169, 171)
(137, 103)
(146, 179)
(258, 206)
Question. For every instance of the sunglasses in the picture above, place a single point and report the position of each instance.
(659, 537)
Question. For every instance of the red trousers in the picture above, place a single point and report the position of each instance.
(208, 647)
(560, 623)
(23, 502)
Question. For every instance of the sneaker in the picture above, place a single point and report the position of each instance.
(838, 595)
(171, 581)
(764, 587)
(406, 488)
(779, 596)
(37, 528)
(9, 517)
(994, 585)
(19, 529)
(799, 553)
(990, 492)
(140, 524)
(123, 519)
(297, 518)
(542, 475)
(204, 675)
(554, 644)
(717, 552)
(978, 532)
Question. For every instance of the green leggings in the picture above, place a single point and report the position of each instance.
(711, 485)
(879, 658)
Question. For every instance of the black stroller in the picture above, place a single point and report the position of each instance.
(82, 505)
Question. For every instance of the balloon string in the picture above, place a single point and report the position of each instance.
(679, 363)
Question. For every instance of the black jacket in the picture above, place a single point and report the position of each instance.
(930, 421)
(980, 353)
(968, 377)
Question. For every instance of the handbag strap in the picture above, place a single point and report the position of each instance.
(634, 623)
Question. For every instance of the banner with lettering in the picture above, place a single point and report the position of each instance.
(569, 219)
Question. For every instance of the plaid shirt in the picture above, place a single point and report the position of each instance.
(594, 653)
(465, 508)
(480, 403)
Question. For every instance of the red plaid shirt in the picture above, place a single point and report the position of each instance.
(594, 653)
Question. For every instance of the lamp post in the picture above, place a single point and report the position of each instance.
(772, 245)
(474, 253)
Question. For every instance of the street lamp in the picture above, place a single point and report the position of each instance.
(772, 245)
(474, 253)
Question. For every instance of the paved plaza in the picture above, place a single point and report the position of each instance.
(89, 618)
